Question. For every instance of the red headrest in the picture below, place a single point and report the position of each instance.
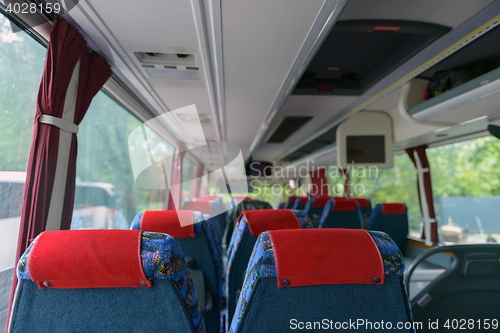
(261, 220)
(200, 206)
(393, 208)
(303, 200)
(87, 259)
(321, 201)
(344, 205)
(363, 202)
(168, 222)
(330, 256)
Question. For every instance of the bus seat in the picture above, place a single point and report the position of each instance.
(365, 207)
(304, 220)
(341, 213)
(218, 210)
(210, 207)
(314, 208)
(300, 203)
(308, 275)
(104, 281)
(469, 288)
(251, 224)
(200, 244)
(233, 215)
(290, 201)
(391, 218)
(281, 205)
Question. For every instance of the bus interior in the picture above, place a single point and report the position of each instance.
(356, 119)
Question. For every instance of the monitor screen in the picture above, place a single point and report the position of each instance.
(365, 149)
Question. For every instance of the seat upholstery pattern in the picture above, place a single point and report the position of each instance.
(241, 245)
(234, 213)
(341, 213)
(262, 264)
(300, 203)
(161, 259)
(304, 220)
(315, 206)
(212, 206)
(208, 230)
(391, 218)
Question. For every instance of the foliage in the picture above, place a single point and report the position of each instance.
(21, 66)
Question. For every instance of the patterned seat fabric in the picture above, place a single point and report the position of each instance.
(104, 281)
(213, 207)
(219, 211)
(365, 207)
(234, 213)
(290, 201)
(200, 243)
(341, 213)
(391, 218)
(363, 269)
(314, 208)
(300, 203)
(251, 224)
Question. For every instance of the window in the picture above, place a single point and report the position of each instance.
(273, 193)
(188, 174)
(107, 195)
(21, 65)
(398, 184)
(466, 186)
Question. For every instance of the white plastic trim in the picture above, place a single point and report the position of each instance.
(423, 201)
(62, 124)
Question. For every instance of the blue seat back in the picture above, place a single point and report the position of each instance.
(341, 213)
(340, 274)
(300, 203)
(365, 207)
(212, 207)
(391, 218)
(251, 224)
(314, 208)
(104, 281)
(234, 213)
(200, 245)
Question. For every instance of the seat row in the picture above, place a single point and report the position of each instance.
(355, 213)
(196, 270)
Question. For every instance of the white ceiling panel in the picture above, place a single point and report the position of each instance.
(165, 22)
(261, 39)
(321, 108)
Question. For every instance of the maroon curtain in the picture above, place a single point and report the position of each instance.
(196, 184)
(176, 193)
(429, 197)
(319, 182)
(94, 72)
(66, 46)
(65, 49)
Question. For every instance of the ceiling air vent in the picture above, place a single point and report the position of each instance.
(286, 127)
(180, 66)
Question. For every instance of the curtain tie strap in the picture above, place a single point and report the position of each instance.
(62, 124)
